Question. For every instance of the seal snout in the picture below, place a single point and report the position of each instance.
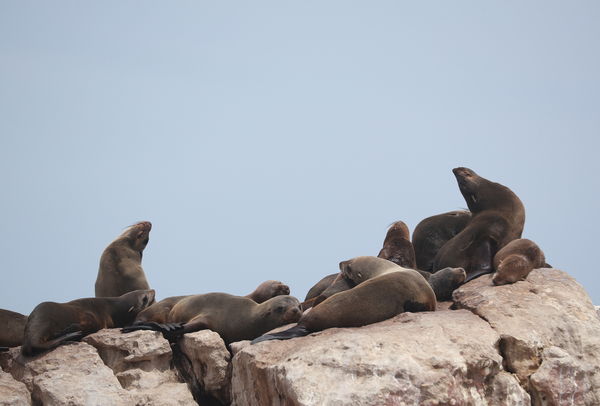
(293, 314)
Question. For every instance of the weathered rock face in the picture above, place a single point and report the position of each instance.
(13, 393)
(549, 331)
(211, 362)
(533, 342)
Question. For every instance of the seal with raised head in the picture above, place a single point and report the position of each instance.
(435, 231)
(374, 300)
(120, 268)
(51, 324)
(397, 246)
(498, 217)
(514, 262)
(267, 290)
(443, 282)
(234, 318)
(13, 325)
(159, 311)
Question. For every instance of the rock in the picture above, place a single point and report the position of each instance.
(550, 333)
(142, 362)
(68, 375)
(13, 393)
(211, 362)
(430, 358)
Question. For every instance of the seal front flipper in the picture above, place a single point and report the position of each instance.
(293, 332)
(481, 262)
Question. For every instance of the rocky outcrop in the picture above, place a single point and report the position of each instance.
(12, 392)
(532, 342)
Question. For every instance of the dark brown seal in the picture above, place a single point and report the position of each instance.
(12, 328)
(267, 290)
(339, 284)
(235, 318)
(51, 324)
(514, 262)
(397, 246)
(374, 300)
(433, 232)
(121, 262)
(320, 286)
(498, 217)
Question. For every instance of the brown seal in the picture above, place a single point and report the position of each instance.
(51, 324)
(435, 231)
(498, 217)
(397, 246)
(121, 262)
(374, 300)
(159, 311)
(320, 286)
(13, 325)
(235, 318)
(443, 282)
(267, 290)
(338, 284)
(514, 262)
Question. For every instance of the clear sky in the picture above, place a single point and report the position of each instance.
(272, 140)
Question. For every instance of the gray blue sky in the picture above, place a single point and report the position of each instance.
(271, 140)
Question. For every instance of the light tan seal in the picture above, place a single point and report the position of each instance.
(498, 217)
(121, 262)
(443, 282)
(51, 324)
(235, 318)
(159, 311)
(374, 300)
(514, 262)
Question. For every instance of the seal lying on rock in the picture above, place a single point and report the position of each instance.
(234, 318)
(338, 284)
(498, 217)
(514, 262)
(13, 326)
(443, 282)
(120, 268)
(159, 311)
(376, 299)
(51, 324)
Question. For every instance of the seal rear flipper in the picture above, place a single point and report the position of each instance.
(296, 331)
(481, 260)
(165, 328)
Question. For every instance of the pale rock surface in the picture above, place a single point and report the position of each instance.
(211, 362)
(414, 359)
(142, 362)
(550, 333)
(68, 375)
(13, 393)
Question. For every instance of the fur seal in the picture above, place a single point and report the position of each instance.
(159, 311)
(435, 231)
(498, 217)
(374, 300)
(443, 282)
(267, 290)
(235, 318)
(13, 326)
(320, 286)
(51, 324)
(120, 268)
(339, 284)
(397, 246)
(514, 262)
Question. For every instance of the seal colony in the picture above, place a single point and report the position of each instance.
(446, 250)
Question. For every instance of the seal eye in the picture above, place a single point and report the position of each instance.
(280, 309)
